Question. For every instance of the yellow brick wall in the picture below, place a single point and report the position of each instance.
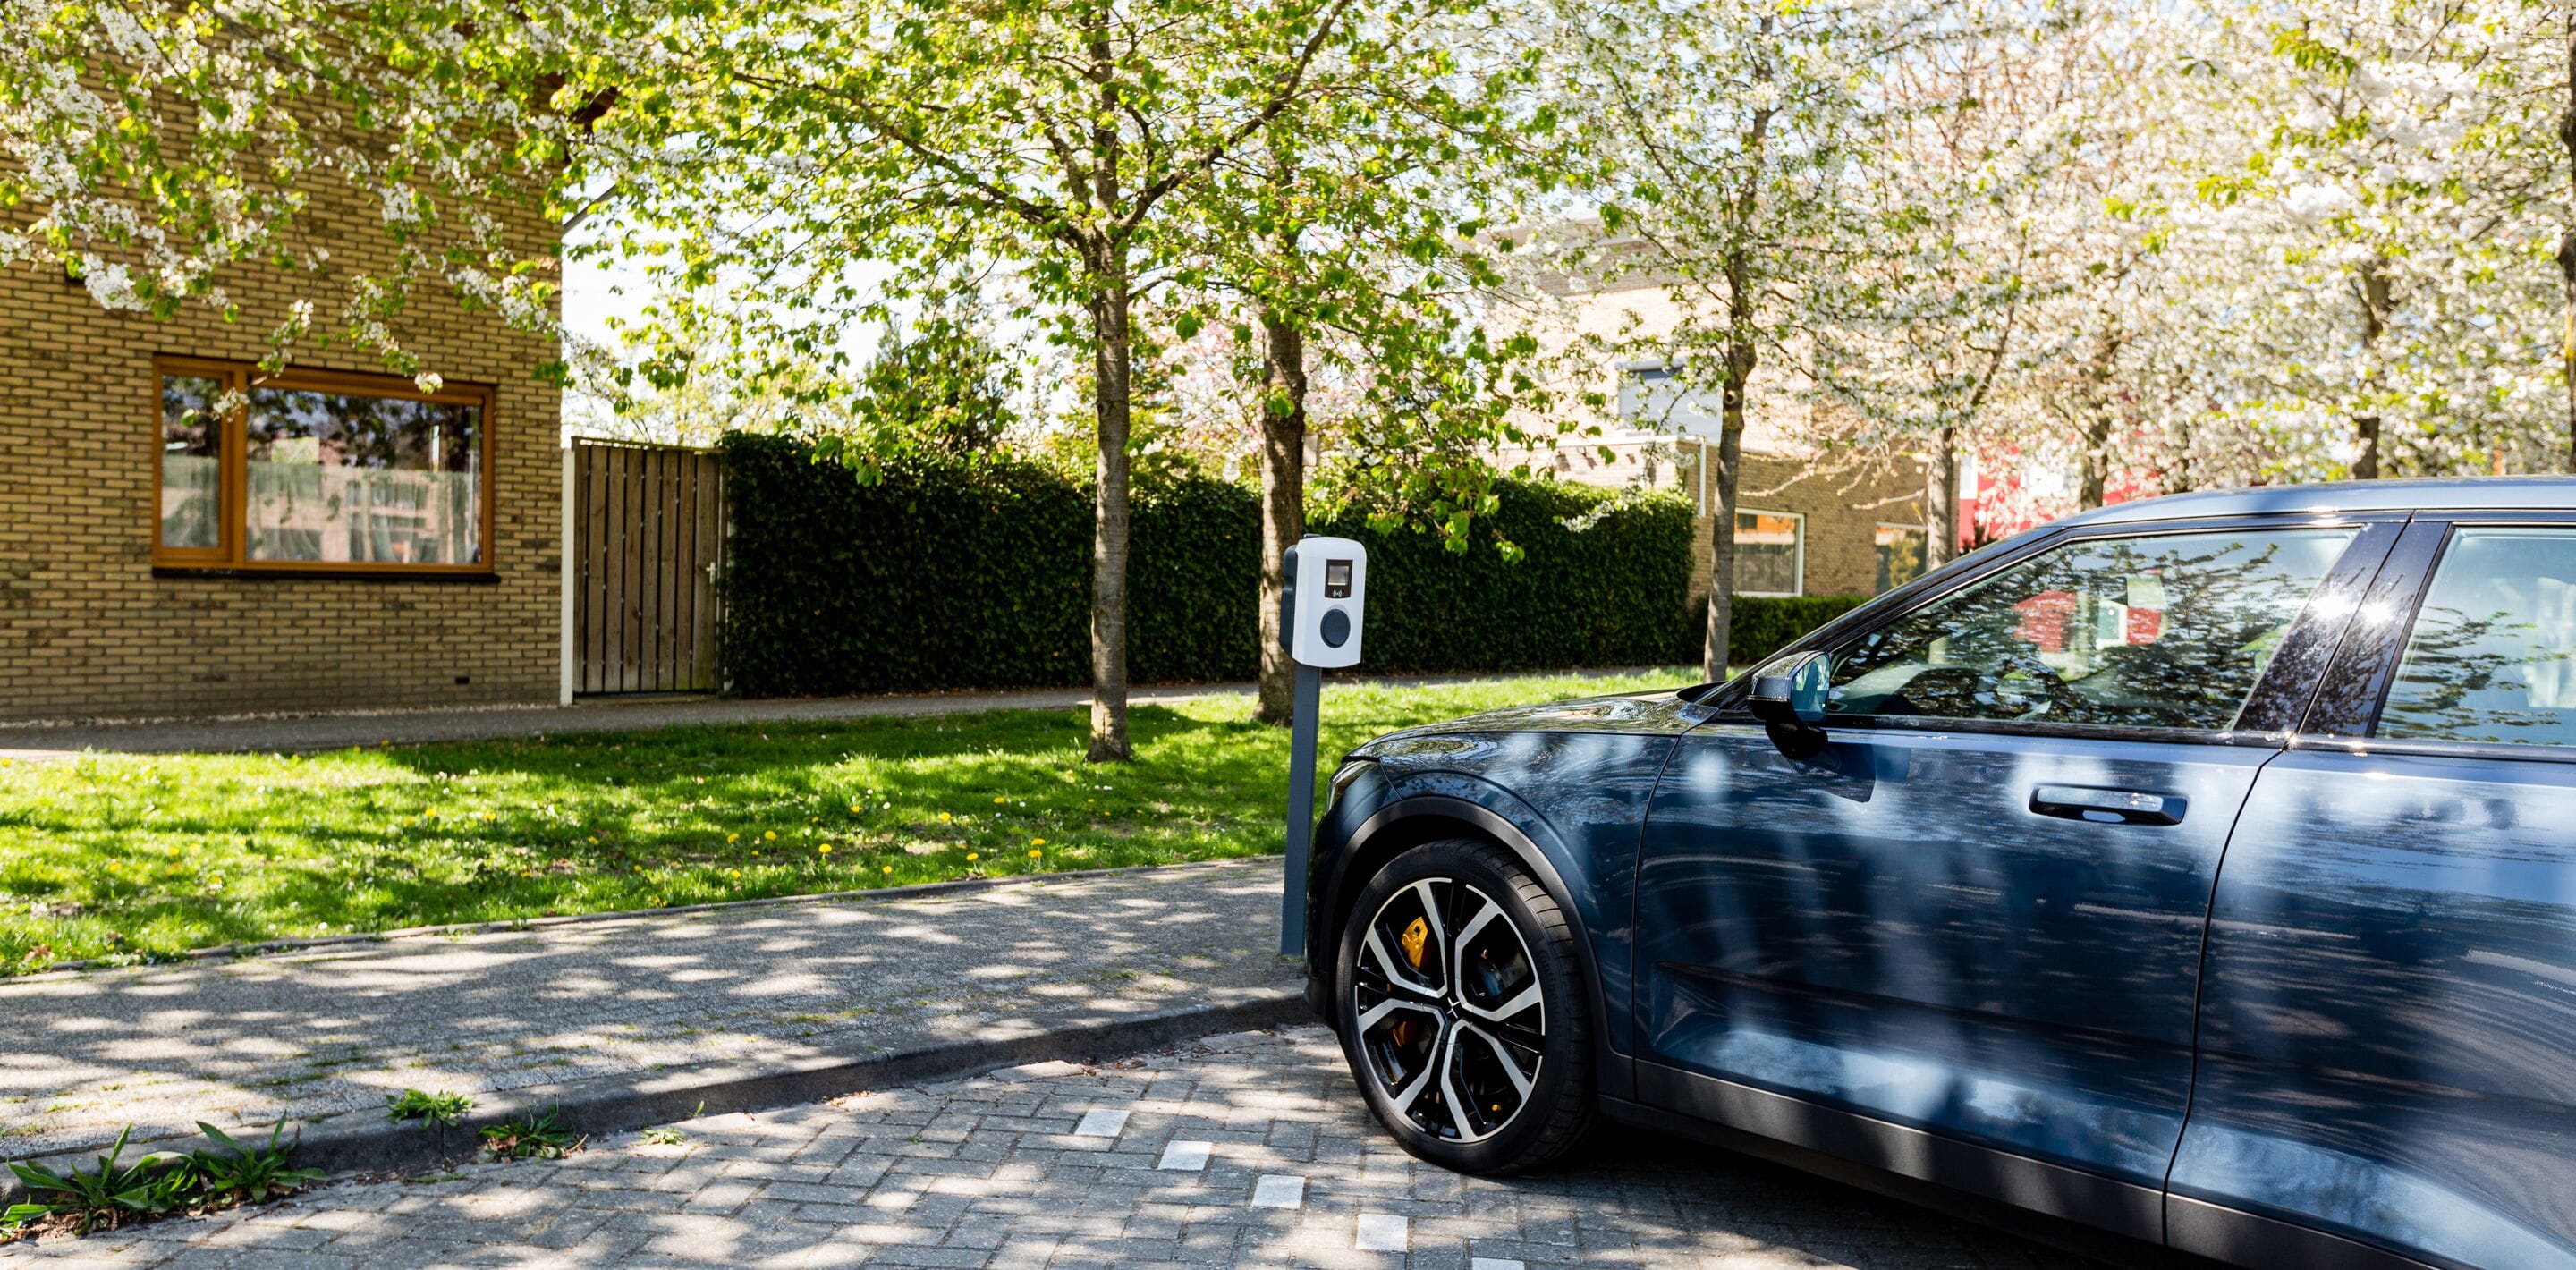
(1843, 508)
(87, 629)
(1843, 516)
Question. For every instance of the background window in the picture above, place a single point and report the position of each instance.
(310, 469)
(192, 466)
(2169, 631)
(2492, 656)
(1900, 554)
(1770, 549)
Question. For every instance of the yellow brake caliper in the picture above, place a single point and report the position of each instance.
(1411, 941)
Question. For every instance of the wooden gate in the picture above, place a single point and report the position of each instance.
(648, 532)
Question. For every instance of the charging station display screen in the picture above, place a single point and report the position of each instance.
(1337, 579)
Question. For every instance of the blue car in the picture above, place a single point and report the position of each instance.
(2197, 872)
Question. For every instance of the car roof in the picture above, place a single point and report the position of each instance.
(2469, 493)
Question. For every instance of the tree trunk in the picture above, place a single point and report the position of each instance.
(2373, 294)
(1111, 364)
(1721, 540)
(2365, 434)
(1941, 500)
(2097, 459)
(1283, 499)
(2179, 476)
(2094, 480)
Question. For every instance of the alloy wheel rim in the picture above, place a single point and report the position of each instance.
(1451, 1023)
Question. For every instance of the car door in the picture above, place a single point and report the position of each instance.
(2388, 1021)
(1962, 940)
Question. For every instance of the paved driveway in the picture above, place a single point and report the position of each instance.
(649, 1001)
(1245, 1150)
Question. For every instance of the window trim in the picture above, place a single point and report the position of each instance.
(1801, 568)
(230, 554)
(2274, 707)
(2350, 699)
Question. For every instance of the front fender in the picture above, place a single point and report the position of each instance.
(1572, 816)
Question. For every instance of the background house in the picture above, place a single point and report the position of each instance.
(1806, 524)
(182, 534)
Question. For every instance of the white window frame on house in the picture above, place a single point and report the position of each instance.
(1925, 530)
(1799, 572)
(1694, 414)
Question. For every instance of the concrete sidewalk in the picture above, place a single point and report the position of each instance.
(306, 733)
(663, 1008)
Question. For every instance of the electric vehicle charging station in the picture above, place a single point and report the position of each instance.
(1321, 606)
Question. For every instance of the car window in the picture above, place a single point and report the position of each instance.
(2492, 656)
(2161, 631)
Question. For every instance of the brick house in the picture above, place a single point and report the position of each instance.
(1804, 526)
(339, 540)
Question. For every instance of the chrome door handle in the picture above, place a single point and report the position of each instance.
(2107, 806)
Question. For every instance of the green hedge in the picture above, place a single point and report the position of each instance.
(943, 576)
(1607, 595)
(1765, 624)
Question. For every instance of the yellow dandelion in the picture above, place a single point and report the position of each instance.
(889, 868)
(943, 817)
(1036, 842)
(733, 873)
(826, 848)
(973, 855)
(1035, 854)
(997, 802)
(854, 807)
(769, 836)
(733, 837)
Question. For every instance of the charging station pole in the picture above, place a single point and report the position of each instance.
(1301, 810)
(1320, 610)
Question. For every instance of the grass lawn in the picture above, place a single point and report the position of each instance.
(149, 855)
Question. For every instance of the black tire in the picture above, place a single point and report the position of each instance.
(1519, 1000)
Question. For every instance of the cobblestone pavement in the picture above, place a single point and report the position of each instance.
(1243, 1150)
(670, 999)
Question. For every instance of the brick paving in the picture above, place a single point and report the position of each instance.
(1243, 1150)
(668, 998)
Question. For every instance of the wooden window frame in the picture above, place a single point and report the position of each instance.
(231, 553)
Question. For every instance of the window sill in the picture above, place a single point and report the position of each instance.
(224, 573)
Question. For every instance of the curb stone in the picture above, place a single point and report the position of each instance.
(362, 1141)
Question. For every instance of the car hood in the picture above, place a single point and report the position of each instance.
(1655, 712)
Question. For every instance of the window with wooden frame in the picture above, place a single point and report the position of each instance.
(1770, 553)
(318, 471)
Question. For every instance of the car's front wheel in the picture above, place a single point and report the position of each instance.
(1464, 1012)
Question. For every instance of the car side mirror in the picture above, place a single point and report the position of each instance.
(1788, 696)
